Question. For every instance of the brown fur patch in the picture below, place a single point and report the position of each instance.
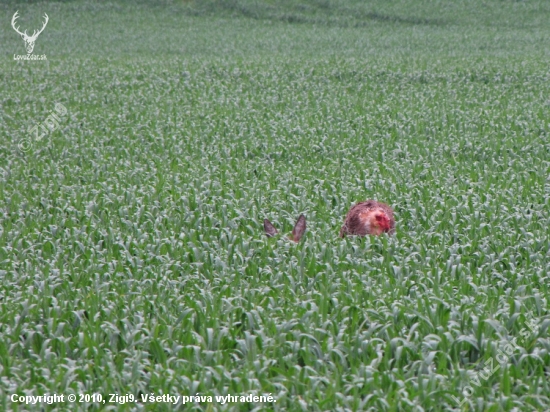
(299, 229)
(269, 229)
(360, 220)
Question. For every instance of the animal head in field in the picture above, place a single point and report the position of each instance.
(368, 218)
(29, 40)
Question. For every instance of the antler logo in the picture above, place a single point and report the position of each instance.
(29, 40)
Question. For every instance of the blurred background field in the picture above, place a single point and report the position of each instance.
(132, 254)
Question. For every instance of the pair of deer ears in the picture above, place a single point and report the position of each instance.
(297, 232)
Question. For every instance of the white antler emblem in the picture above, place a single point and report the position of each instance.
(29, 40)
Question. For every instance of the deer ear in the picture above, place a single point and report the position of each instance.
(270, 230)
(299, 229)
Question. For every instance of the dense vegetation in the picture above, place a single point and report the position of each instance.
(132, 254)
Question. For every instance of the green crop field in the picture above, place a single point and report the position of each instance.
(139, 159)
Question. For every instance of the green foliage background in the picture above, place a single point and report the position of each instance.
(132, 258)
